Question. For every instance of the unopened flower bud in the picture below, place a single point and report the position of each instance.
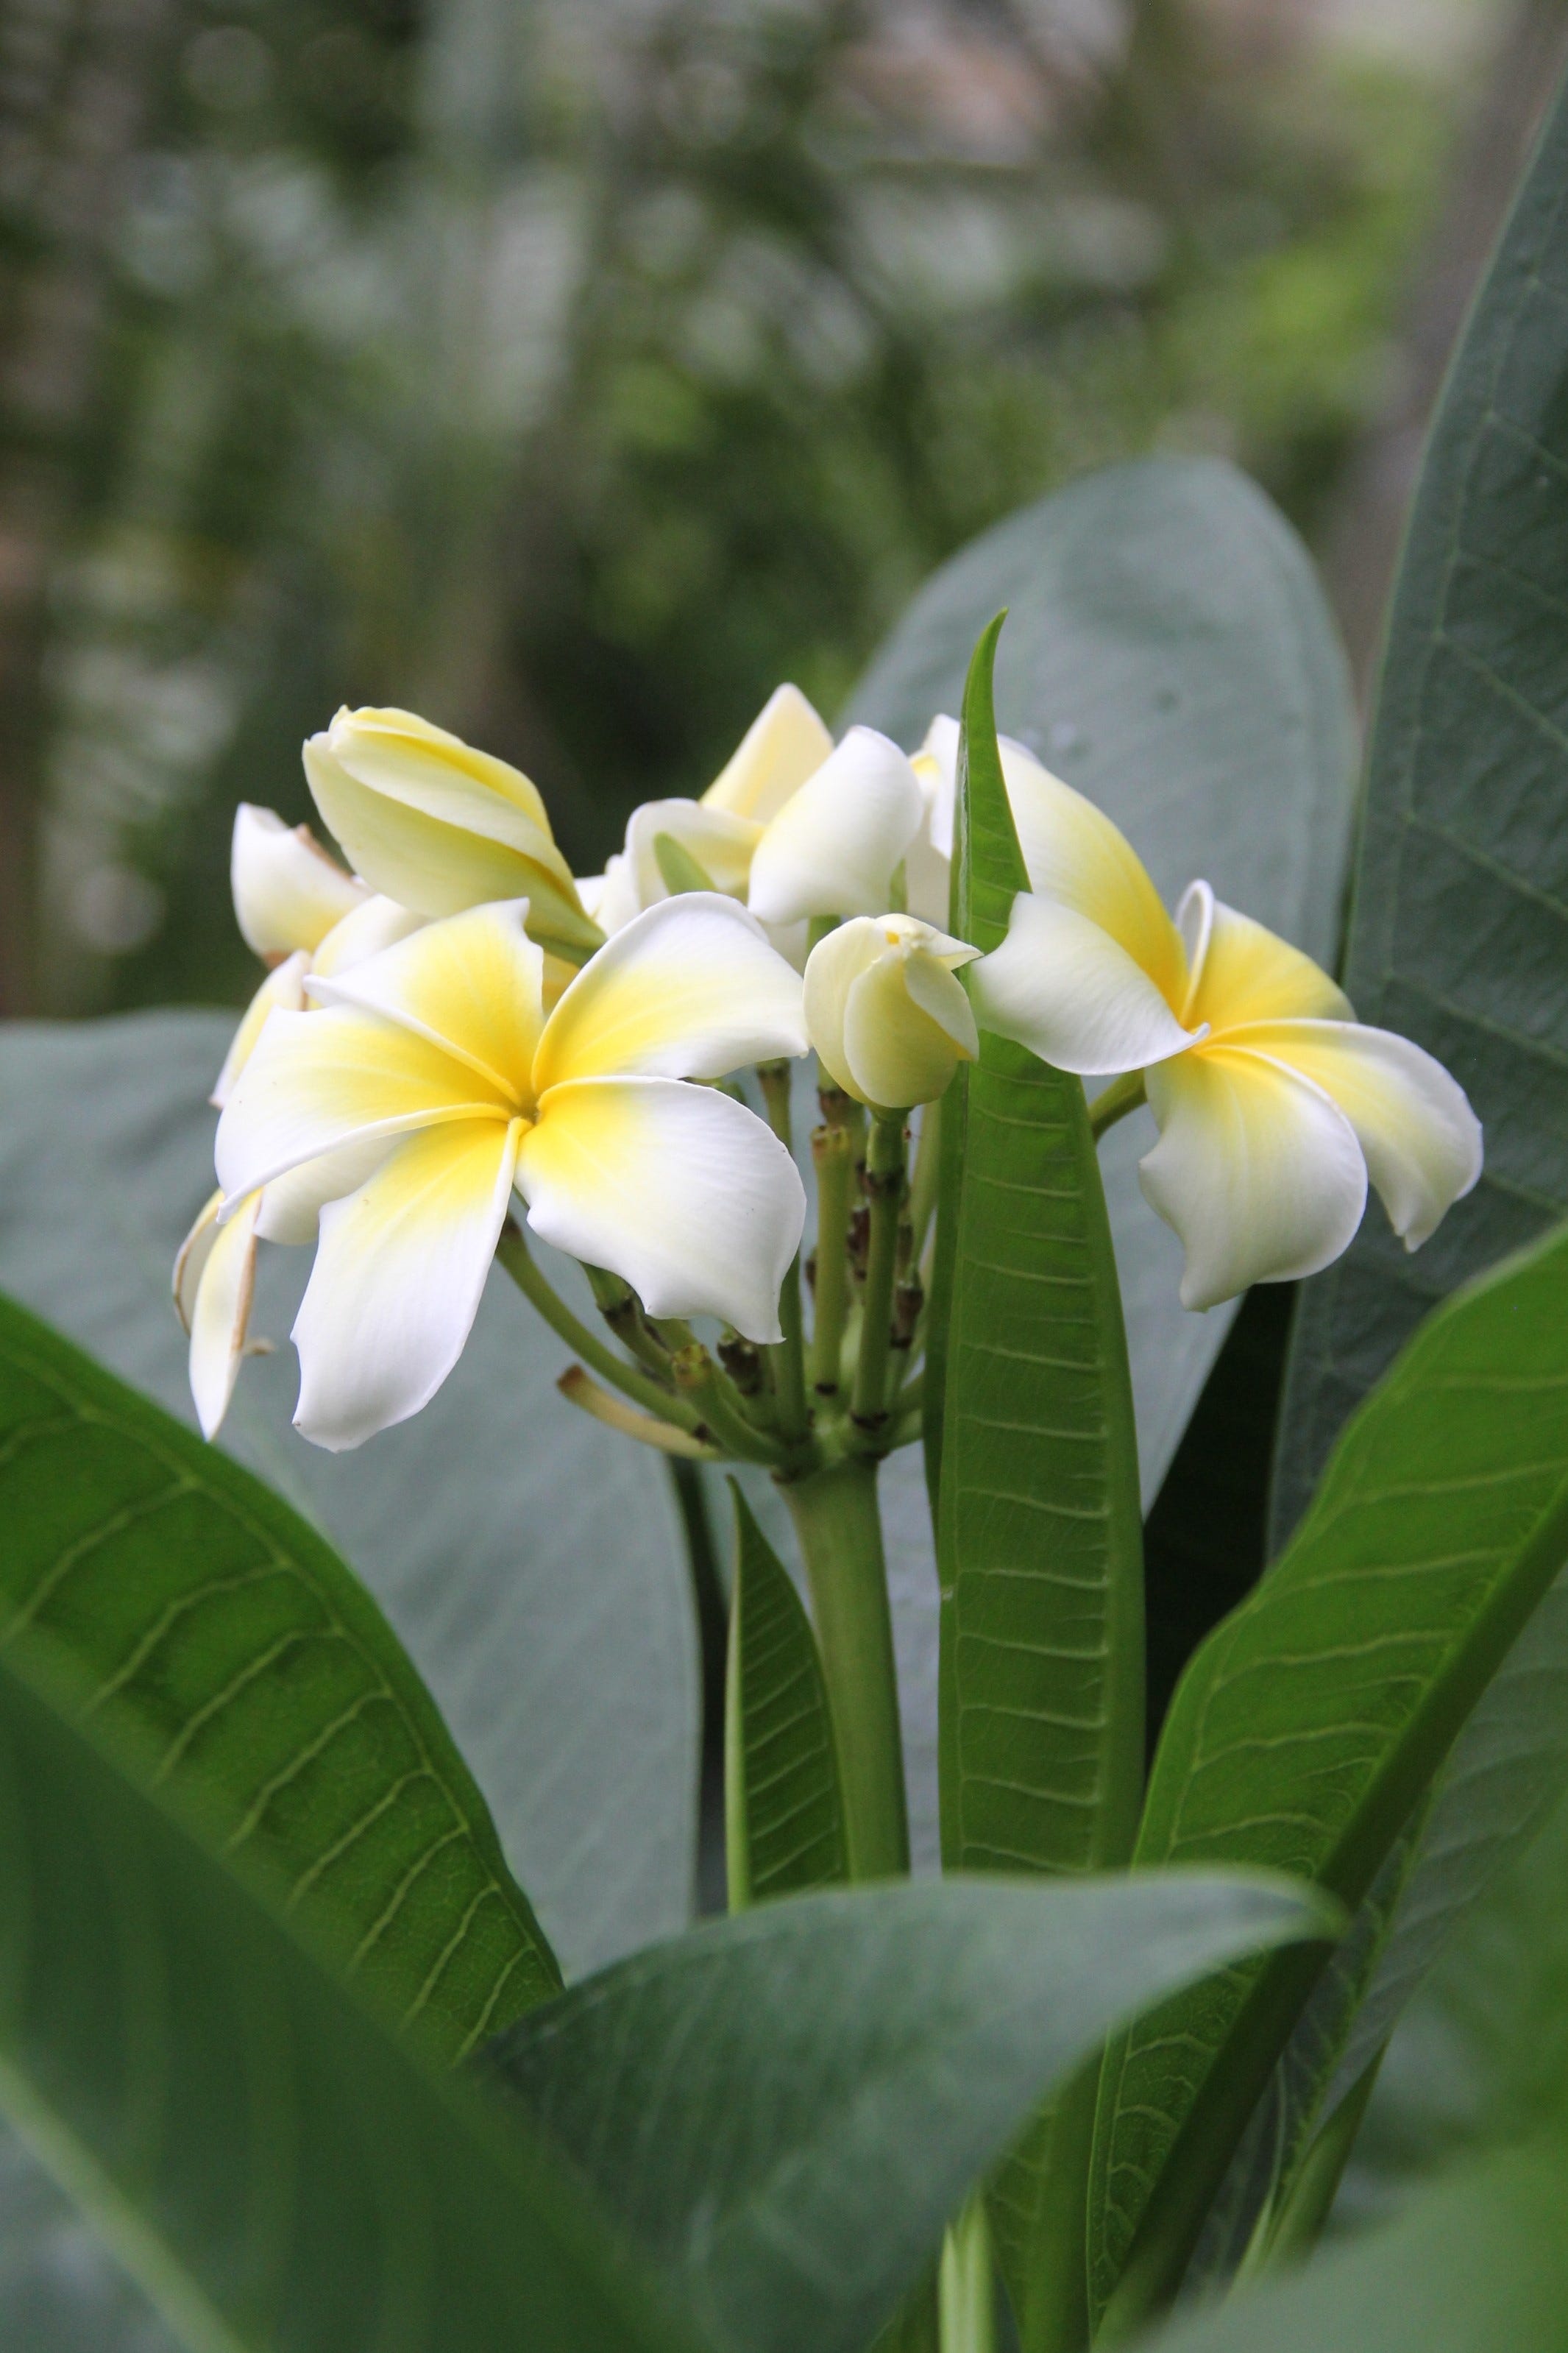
(888, 1019)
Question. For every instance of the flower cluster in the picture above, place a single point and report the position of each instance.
(459, 1024)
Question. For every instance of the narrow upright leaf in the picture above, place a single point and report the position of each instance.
(174, 1595)
(1458, 931)
(272, 2166)
(1039, 1547)
(1311, 1723)
(784, 1814)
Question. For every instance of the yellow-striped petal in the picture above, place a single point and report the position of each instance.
(1240, 972)
(833, 847)
(472, 984)
(291, 1204)
(288, 894)
(719, 841)
(690, 989)
(320, 1081)
(678, 1189)
(215, 1283)
(1412, 1122)
(786, 742)
(284, 988)
(1258, 1171)
(1073, 854)
(397, 1283)
(1061, 985)
(438, 826)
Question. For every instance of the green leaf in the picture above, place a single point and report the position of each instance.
(1040, 1545)
(784, 1813)
(269, 2165)
(174, 1596)
(783, 2108)
(532, 1562)
(1170, 654)
(1458, 933)
(1310, 1724)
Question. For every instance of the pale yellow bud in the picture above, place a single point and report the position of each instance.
(888, 1019)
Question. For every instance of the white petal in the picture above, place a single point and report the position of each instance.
(1074, 854)
(283, 990)
(784, 744)
(291, 1204)
(1065, 988)
(888, 1020)
(1414, 1123)
(690, 989)
(396, 1287)
(611, 898)
(288, 894)
(380, 923)
(719, 841)
(680, 1190)
(320, 1081)
(1258, 1171)
(834, 845)
(473, 984)
(220, 1310)
(1242, 972)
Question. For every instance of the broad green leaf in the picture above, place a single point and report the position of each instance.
(530, 1561)
(1170, 654)
(269, 2165)
(1458, 933)
(783, 2108)
(1310, 1724)
(1477, 2265)
(783, 1816)
(174, 1595)
(1040, 1549)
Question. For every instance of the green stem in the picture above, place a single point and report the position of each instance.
(966, 2291)
(512, 1253)
(885, 1185)
(840, 1532)
(718, 1405)
(832, 1157)
(1114, 1103)
(789, 1356)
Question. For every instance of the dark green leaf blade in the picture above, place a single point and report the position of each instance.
(1040, 1538)
(1458, 933)
(271, 2165)
(785, 2108)
(783, 1812)
(176, 1597)
(1309, 1727)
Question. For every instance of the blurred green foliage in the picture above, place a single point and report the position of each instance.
(573, 370)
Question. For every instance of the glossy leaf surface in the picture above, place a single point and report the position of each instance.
(1310, 1725)
(1458, 933)
(784, 1814)
(785, 2108)
(270, 2166)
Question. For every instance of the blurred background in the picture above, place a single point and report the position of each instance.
(572, 370)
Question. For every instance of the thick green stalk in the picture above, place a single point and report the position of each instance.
(832, 1157)
(885, 1186)
(840, 1532)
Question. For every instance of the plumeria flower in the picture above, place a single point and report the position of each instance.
(889, 1021)
(1274, 1104)
(302, 915)
(928, 863)
(792, 826)
(439, 826)
(438, 1060)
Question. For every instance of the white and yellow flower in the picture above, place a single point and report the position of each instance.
(1274, 1106)
(438, 1062)
(439, 826)
(302, 915)
(792, 826)
(889, 1021)
(928, 864)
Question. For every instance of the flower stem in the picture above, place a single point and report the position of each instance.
(885, 1186)
(966, 2290)
(789, 1355)
(840, 1532)
(580, 1388)
(722, 1416)
(832, 1154)
(1114, 1103)
(512, 1253)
